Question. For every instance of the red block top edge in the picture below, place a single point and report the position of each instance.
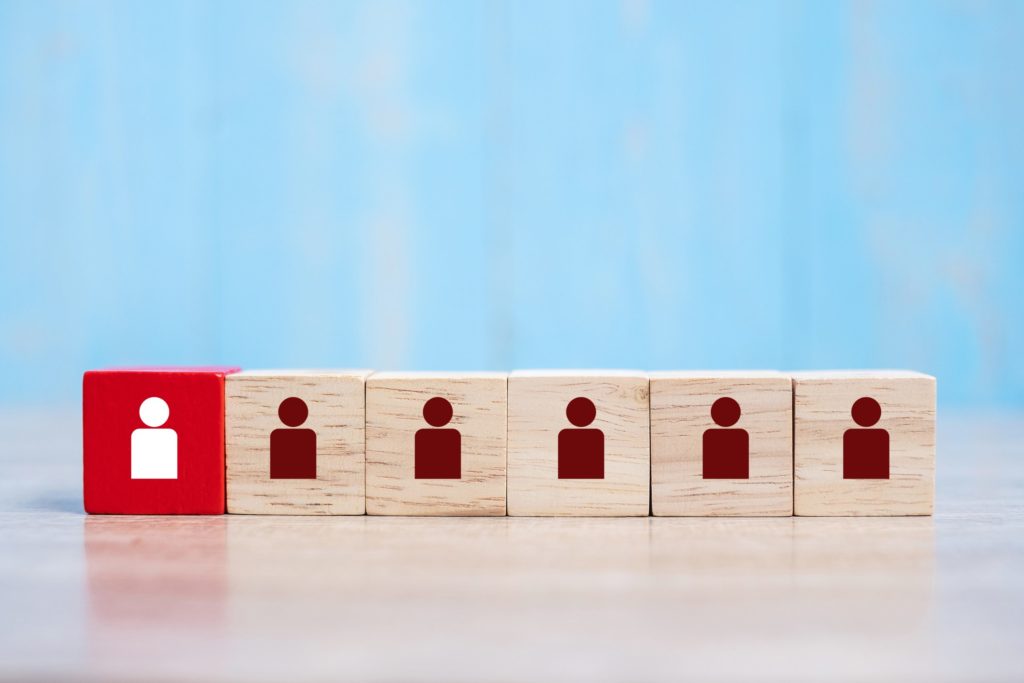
(170, 369)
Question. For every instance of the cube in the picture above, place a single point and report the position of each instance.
(578, 443)
(294, 442)
(721, 444)
(435, 443)
(863, 443)
(153, 440)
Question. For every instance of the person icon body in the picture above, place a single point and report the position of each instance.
(726, 451)
(581, 449)
(866, 449)
(154, 447)
(293, 450)
(438, 449)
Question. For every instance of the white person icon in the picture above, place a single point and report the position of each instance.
(154, 450)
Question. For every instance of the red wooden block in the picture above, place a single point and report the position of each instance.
(153, 440)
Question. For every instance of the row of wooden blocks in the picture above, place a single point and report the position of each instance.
(531, 443)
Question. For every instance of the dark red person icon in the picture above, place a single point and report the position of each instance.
(866, 450)
(581, 451)
(438, 451)
(293, 451)
(726, 451)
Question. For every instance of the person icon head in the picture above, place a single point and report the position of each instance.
(725, 412)
(581, 411)
(154, 412)
(293, 411)
(437, 412)
(866, 412)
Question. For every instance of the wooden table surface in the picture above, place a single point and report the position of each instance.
(449, 600)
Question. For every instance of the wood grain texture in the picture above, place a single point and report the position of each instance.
(680, 414)
(537, 403)
(821, 414)
(394, 413)
(335, 399)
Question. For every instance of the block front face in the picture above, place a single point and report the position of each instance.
(153, 441)
(578, 444)
(435, 444)
(721, 444)
(295, 442)
(864, 443)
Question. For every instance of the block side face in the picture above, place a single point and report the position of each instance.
(194, 418)
(681, 415)
(823, 415)
(394, 417)
(538, 414)
(335, 413)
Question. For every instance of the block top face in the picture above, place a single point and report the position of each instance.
(169, 370)
(435, 375)
(573, 374)
(286, 374)
(718, 374)
(832, 375)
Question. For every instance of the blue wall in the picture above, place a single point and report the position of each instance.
(513, 184)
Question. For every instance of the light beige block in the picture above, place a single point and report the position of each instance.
(335, 401)
(537, 402)
(681, 414)
(394, 413)
(822, 403)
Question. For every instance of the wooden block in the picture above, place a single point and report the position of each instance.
(153, 441)
(294, 442)
(592, 458)
(435, 443)
(864, 443)
(721, 444)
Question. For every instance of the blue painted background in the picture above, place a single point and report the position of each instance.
(513, 184)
